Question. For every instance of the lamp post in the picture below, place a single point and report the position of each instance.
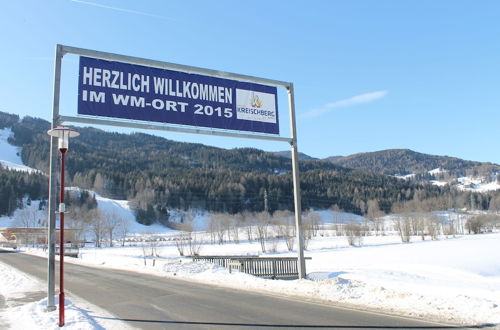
(63, 134)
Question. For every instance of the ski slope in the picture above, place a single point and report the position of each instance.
(10, 156)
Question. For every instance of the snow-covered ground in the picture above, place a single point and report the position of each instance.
(405, 177)
(10, 155)
(16, 288)
(437, 171)
(455, 279)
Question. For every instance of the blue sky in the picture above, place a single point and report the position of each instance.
(368, 75)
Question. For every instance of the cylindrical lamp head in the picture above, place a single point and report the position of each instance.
(63, 141)
(63, 134)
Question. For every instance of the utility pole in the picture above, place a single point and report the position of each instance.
(266, 206)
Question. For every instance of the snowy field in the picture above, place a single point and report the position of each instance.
(454, 280)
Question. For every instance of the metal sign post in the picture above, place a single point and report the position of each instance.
(51, 232)
(296, 185)
(165, 95)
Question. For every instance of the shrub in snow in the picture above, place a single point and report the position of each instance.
(354, 233)
(482, 223)
(194, 243)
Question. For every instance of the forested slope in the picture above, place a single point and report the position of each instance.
(157, 174)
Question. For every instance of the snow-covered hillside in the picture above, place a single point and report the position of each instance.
(10, 155)
(121, 208)
(474, 184)
(477, 184)
(38, 217)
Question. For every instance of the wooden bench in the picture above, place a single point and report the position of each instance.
(69, 251)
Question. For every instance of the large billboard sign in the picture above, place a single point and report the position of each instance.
(136, 92)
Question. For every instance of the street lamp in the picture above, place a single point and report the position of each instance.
(63, 134)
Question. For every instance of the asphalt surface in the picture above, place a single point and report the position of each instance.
(151, 302)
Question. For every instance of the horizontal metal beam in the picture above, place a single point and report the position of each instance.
(169, 128)
(172, 66)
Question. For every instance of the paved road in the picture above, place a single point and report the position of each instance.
(150, 302)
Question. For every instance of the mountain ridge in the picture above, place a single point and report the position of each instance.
(406, 161)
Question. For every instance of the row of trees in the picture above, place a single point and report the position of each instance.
(482, 223)
(268, 229)
(101, 226)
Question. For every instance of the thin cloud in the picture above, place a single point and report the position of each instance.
(355, 100)
(124, 10)
(39, 58)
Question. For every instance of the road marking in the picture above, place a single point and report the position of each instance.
(158, 308)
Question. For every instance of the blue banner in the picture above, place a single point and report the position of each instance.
(129, 91)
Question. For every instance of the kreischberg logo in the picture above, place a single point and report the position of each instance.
(255, 106)
(256, 101)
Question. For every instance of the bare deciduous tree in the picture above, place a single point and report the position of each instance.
(111, 222)
(249, 221)
(262, 220)
(403, 226)
(150, 247)
(235, 222)
(195, 244)
(433, 227)
(418, 224)
(181, 242)
(450, 227)
(220, 224)
(286, 227)
(122, 228)
(28, 218)
(212, 229)
(188, 241)
(97, 225)
(310, 225)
